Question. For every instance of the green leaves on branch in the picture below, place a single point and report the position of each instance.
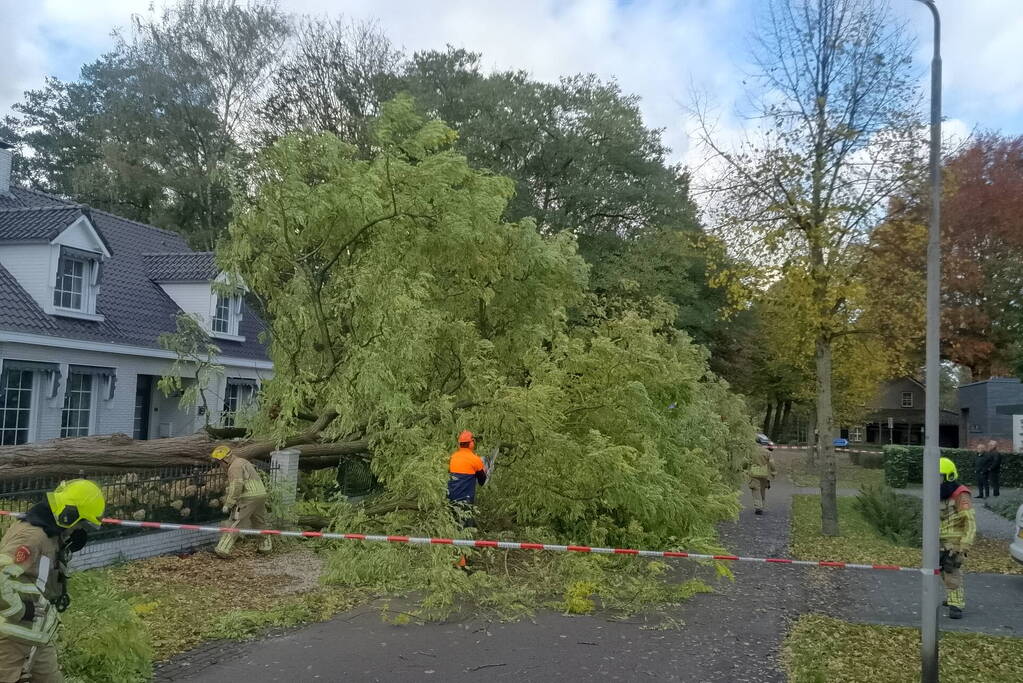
(398, 296)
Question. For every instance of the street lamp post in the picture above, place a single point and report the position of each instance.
(932, 452)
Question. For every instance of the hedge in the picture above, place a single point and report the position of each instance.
(904, 465)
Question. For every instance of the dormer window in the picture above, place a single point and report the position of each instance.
(72, 276)
(226, 316)
(222, 315)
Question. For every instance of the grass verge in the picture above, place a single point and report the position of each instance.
(801, 473)
(820, 649)
(860, 542)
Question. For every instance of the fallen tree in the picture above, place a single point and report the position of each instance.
(119, 453)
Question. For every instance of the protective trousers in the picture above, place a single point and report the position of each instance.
(758, 486)
(249, 513)
(14, 655)
(952, 577)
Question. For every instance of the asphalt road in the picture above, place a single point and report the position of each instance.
(734, 634)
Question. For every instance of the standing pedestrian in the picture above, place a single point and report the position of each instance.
(957, 533)
(760, 473)
(982, 467)
(244, 501)
(994, 467)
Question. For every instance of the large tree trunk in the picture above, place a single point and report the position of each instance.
(785, 419)
(767, 418)
(775, 432)
(118, 453)
(826, 444)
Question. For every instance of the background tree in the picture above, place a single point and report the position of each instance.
(836, 97)
(334, 79)
(155, 129)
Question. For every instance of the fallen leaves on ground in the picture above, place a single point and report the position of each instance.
(820, 648)
(859, 542)
(851, 476)
(183, 601)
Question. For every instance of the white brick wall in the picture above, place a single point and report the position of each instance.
(151, 544)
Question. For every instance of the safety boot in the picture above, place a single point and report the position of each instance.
(954, 612)
(224, 546)
(266, 545)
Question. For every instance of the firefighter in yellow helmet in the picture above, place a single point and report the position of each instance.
(958, 531)
(244, 500)
(759, 472)
(33, 578)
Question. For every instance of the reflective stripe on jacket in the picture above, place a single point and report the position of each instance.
(243, 482)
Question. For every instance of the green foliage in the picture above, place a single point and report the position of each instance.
(820, 648)
(398, 296)
(897, 517)
(102, 640)
(501, 584)
(311, 607)
(904, 465)
(195, 366)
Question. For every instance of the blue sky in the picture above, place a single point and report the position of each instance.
(659, 49)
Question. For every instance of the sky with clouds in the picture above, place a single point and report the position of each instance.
(662, 50)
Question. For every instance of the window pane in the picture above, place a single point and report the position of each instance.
(75, 418)
(15, 406)
(222, 316)
(70, 284)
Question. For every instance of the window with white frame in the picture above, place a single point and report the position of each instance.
(76, 417)
(227, 315)
(15, 406)
(856, 434)
(71, 289)
(237, 397)
(222, 315)
(907, 399)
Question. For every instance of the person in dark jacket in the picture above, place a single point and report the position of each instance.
(994, 469)
(982, 466)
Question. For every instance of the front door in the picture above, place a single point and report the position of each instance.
(143, 406)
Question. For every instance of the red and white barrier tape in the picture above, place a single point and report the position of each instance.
(503, 545)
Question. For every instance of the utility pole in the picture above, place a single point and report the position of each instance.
(932, 452)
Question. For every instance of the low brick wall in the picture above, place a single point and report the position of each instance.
(150, 544)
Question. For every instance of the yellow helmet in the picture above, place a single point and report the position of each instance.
(220, 452)
(948, 470)
(76, 500)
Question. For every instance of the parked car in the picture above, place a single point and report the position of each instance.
(764, 441)
(1016, 548)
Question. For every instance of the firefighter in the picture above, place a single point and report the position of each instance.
(958, 530)
(760, 473)
(244, 501)
(34, 554)
(465, 471)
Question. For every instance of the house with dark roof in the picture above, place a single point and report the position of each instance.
(896, 416)
(84, 298)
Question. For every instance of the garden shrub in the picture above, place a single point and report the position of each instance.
(897, 517)
(903, 465)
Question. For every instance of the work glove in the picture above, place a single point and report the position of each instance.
(226, 509)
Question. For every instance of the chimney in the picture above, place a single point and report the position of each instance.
(6, 157)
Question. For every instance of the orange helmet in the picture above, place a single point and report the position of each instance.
(466, 438)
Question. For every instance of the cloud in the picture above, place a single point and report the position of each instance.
(658, 49)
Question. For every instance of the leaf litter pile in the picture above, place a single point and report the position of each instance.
(185, 600)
